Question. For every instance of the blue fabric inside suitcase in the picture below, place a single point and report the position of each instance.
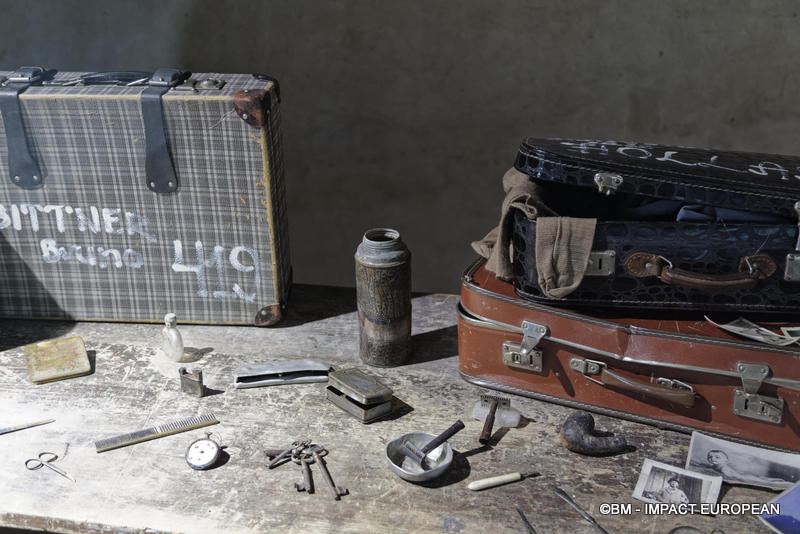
(647, 209)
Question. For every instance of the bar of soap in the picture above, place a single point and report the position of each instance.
(56, 360)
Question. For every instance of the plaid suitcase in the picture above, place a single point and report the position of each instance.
(674, 370)
(657, 227)
(127, 195)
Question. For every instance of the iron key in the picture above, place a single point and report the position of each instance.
(304, 460)
(272, 453)
(318, 452)
(296, 446)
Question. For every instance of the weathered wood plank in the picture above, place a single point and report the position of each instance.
(149, 485)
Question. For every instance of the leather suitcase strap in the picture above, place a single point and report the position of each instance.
(23, 169)
(751, 270)
(159, 169)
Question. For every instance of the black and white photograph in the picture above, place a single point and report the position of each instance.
(737, 463)
(667, 484)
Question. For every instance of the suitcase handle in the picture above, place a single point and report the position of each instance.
(666, 389)
(124, 77)
(683, 397)
(751, 270)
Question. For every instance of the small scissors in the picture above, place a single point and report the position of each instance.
(45, 460)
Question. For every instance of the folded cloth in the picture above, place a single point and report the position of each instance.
(563, 245)
(521, 194)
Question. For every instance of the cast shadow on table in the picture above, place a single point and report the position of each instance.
(499, 434)
(210, 392)
(434, 345)
(193, 354)
(24, 291)
(399, 409)
(311, 302)
(18, 332)
(92, 356)
(459, 471)
(477, 450)
(223, 459)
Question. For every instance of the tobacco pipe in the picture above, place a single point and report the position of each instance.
(578, 435)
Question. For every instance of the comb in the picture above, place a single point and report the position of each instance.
(123, 440)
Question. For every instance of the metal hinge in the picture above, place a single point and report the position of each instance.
(747, 402)
(601, 263)
(526, 355)
(587, 368)
(607, 182)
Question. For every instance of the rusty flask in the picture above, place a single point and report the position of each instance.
(383, 294)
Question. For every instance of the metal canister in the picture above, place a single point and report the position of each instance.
(383, 290)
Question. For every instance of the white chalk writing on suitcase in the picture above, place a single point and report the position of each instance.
(644, 151)
(62, 219)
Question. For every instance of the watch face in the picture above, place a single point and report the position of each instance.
(202, 453)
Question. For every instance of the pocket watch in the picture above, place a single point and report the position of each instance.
(203, 453)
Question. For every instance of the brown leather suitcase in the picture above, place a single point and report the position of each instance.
(681, 373)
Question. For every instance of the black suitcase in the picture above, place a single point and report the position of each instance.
(678, 228)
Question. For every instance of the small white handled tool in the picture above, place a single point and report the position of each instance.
(491, 482)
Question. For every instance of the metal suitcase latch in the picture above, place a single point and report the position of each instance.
(168, 77)
(27, 75)
(747, 402)
(607, 182)
(206, 84)
(792, 271)
(525, 355)
(601, 263)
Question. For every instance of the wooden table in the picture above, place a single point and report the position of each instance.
(148, 487)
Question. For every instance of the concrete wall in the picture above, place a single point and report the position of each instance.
(406, 114)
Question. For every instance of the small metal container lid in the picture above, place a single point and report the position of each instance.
(359, 386)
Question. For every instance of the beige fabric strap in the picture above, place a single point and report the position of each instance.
(563, 245)
(521, 194)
